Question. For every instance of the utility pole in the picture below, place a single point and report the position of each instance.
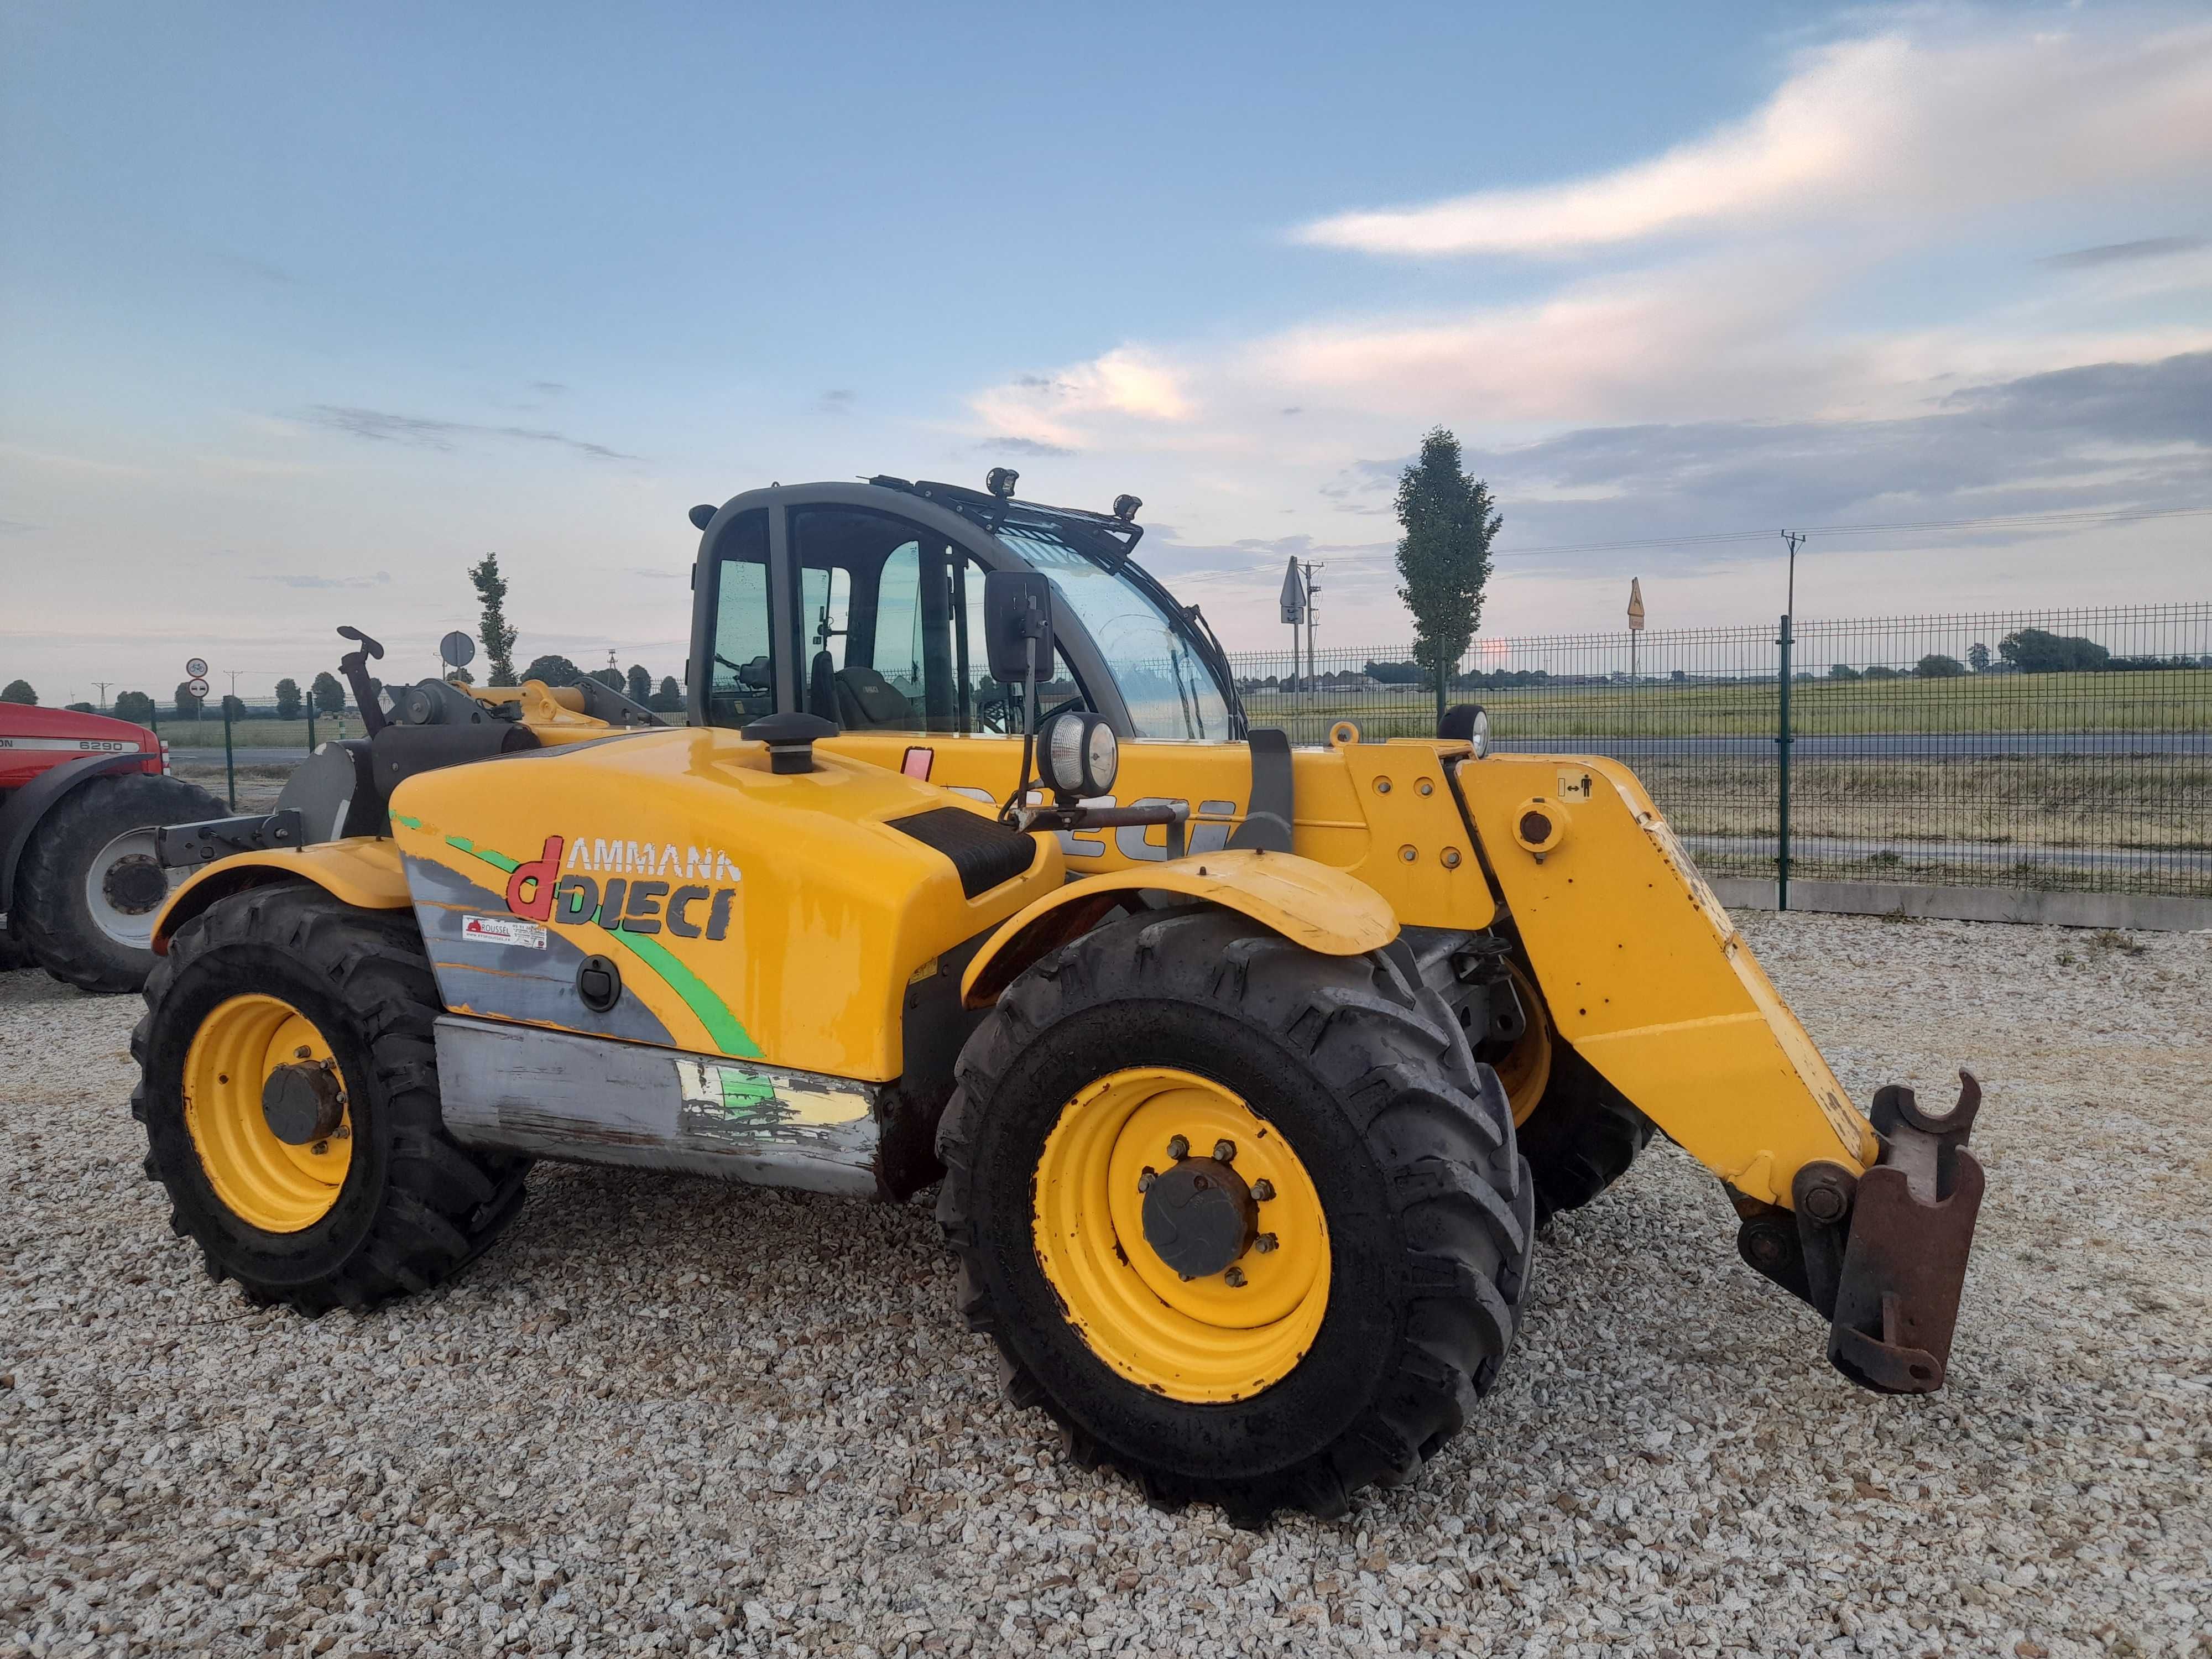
(103, 685)
(1313, 668)
(1793, 539)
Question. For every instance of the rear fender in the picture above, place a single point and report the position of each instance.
(1310, 905)
(363, 871)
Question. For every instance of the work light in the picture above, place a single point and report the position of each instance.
(1078, 754)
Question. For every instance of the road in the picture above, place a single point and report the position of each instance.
(1870, 745)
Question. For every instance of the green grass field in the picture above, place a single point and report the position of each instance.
(206, 733)
(2172, 700)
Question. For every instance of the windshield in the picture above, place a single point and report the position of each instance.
(1163, 680)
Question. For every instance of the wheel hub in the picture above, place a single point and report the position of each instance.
(302, 1103)
(134, 884)
(1200, 1217)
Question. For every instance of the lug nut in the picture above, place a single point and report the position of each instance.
(302, 1052)
(1145, 1181)
(1225, 1151)
(1234, 1279)
(1179, 1148)
(1262, 1190)
(319, 1148)
(1265, 1243)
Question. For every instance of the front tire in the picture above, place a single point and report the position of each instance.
(90, 885)
(374, 1201)
(1337, 1077)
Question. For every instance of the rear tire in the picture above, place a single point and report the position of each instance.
(413, 1206)
(1409, 1148)
(89, 886)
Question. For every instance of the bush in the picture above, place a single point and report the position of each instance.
(553, 670)
(2035, 651)
(288, 700)
(1937, 666)
(19, 691)
(1842, 671)
(135, 707)
(1878, 672)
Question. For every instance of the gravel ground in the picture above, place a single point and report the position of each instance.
(666, 1415)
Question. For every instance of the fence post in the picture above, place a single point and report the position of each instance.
(1782, 744)
(229, 765)
(310, 724)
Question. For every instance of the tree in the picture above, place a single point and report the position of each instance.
(610, 678)
(1842, 671)
(460, 677)
(135, 707)
(330, 696)
(1396, 673)
(288, 700)
(1878, 672)
(2034, 650)
(498, 638)
(553, 669)
(1445, 555)
(80, 708)
(19, 691)
(1977, 657)
(669, 699)
(641, 684)
(232, 707)
(188, 706)
(1937, 666)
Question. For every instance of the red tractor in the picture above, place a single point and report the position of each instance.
(80, 796)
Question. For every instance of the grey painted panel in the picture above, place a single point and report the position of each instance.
(511, 981)
(589, 1100)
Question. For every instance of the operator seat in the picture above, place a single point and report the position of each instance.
(866, 699)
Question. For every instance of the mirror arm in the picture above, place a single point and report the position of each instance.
(1029, 730)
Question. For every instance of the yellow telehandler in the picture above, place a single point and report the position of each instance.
(1249, 1071)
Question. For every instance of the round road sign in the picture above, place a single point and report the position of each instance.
(195, 666)
(196, 686)
(457, 649)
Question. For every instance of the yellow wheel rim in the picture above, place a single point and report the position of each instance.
(1202, 1339)
(1525, 1071)
(264, 1182)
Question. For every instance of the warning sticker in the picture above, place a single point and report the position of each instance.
(505, 930)
(1574, 784)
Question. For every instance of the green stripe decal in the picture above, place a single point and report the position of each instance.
(497, 860)
(729, 1034)
(402, 818)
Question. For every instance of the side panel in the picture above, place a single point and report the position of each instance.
(1360, 807)
(1647, 977)
(747, 913)
(549, 1094)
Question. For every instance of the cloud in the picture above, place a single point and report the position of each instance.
(1126, 383)
(381, 578)
(17, 527)
(1021, 447)
(2112, 253)
(1897, 127)
(837, 402)
(381, 426)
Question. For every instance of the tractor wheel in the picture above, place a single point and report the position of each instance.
(89, 886)
(289, 1085)
(1579, 1132)
(1248, 1220)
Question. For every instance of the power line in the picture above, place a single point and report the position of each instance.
(2015, 520)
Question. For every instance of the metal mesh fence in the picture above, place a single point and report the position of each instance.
(2047, 748)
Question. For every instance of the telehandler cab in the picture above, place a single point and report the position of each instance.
(1249, 1071)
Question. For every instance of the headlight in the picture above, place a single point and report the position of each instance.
(1078, 754)
(1479, 737)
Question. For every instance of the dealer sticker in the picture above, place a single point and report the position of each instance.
(505, 930)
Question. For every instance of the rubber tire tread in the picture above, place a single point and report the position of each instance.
(1436, 1124)
(440, 1205)
(1583, 1135)
(51, 920)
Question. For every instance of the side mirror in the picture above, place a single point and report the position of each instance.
(1016, 609)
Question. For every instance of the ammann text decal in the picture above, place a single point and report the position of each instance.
(649, 858)
(686, 909)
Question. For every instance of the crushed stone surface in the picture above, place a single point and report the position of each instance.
(665, 1416)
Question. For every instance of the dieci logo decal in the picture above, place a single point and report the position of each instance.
(697, 909)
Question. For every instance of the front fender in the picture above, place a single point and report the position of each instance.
(363, 871)
(21, 813)
(1311, 904)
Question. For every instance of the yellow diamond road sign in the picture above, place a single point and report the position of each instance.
(1636, 604)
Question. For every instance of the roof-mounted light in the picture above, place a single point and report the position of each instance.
(1000, 482)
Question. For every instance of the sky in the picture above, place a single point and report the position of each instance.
(303, 309)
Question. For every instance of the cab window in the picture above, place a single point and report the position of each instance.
(741, 679)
